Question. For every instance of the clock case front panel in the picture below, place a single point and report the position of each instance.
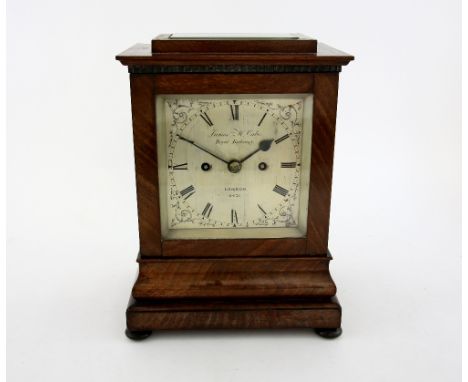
(145, 88)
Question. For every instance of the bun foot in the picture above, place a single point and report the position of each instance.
(329, 333)
(137, 335)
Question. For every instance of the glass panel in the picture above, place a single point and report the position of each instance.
(232, 36)
(234, 166)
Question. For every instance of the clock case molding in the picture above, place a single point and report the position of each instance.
(238, 283)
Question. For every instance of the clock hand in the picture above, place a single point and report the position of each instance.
(262, 146)
(201, 148)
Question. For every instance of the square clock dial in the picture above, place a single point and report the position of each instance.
(234, 166)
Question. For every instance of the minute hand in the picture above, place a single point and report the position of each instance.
(202, 148)
(262, 146)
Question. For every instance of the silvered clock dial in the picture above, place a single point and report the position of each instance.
(234, 166)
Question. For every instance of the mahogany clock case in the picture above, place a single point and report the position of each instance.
(233, 283)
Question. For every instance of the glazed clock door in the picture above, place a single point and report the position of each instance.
(234, 166)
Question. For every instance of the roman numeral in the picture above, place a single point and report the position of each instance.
(288, 164)
(261, 120)
(206, 118)
(235, 112)
(207, 210)
(234, 219)
(280, 190)
(286, 136)
(189, 191)
(261, 209)
(182, 166)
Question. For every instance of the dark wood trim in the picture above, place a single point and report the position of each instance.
(156, 69)
(323, 140)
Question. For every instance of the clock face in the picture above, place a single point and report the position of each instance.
(234, 166)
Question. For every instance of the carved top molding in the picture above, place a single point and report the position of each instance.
(144, 69)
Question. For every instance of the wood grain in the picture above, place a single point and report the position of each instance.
(245, 283)
(234, 315)
(162, 44)
(146, 165)
(234, 83)
(230, 278)
(321, 168)
(324, 86)
(140, 54)
(234, 247)
(144, 90)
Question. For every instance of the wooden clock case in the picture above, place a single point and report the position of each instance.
(241, 283)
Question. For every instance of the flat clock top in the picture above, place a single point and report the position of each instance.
(215, 49)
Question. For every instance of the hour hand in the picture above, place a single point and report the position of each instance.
(201, 148)
(262, 146)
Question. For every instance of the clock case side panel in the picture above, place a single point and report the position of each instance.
(321, 167)
(146, 166)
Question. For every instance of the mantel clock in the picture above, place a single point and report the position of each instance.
(234, 139)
